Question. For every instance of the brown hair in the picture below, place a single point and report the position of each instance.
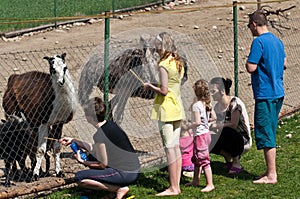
(201, 90)
(95, 108)
(258, 17)
(222, 84)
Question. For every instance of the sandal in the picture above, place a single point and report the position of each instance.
(228, 165)
(235, 170)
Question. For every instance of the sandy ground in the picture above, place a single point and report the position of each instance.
(204, 14)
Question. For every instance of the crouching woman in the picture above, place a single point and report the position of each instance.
(113, 163)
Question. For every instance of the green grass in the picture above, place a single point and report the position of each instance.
(238, 186)
(19, 12)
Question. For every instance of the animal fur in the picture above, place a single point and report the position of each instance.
(48, 102)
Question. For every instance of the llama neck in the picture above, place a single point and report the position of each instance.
(65, 100)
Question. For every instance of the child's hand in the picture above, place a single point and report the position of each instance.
(215, 127)
(185, 125)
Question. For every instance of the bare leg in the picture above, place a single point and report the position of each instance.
(174, 168)
(179, 165)
(196, 179)
(209, 181)
(270, 177)
(92, 184)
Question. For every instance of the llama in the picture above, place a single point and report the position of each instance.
(143, 61)
(48, 102)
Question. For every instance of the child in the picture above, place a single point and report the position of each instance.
(186, 147)
(201, 110)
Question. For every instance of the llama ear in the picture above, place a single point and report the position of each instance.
(63, 56)
(47, 58)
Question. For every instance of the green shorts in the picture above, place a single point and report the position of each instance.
(265, 122)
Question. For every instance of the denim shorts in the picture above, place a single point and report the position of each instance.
(265, 122)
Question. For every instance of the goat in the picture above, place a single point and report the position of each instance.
(15, 136)
(143, 61)
(48, 102)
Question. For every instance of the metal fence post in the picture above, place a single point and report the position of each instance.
(258, 4)
(235, 30)
(55, 12)
(106, 59)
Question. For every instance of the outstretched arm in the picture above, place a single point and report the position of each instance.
(66, 141)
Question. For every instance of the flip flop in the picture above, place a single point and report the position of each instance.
(235, 170)
(228, 165)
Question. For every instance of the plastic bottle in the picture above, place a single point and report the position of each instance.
(75, 148)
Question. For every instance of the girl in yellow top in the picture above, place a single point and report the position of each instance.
(168, 108)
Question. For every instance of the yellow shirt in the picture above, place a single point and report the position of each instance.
(169, 108)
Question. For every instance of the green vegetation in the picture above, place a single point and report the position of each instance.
(19, 14)
(237, 186)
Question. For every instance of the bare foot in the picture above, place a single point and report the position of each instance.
(168, 192)
(208, 188)
(259, 177)
(265, 180)
(193, 184)
(122, 192)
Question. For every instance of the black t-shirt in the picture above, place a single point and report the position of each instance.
(120, 152)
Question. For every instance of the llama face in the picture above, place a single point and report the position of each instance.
(149, 71)
(58, 68)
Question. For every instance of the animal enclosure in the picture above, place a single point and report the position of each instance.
(209, 54)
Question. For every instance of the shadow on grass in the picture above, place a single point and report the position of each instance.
(218, 169)
(156, 180)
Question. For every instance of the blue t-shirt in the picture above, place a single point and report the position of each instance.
(267, 51)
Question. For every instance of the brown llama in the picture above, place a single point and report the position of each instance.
(48, 101)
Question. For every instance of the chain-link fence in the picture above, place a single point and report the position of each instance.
(208, 54)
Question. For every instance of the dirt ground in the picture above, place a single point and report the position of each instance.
(182, 19)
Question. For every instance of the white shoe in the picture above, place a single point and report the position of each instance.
(189, 174)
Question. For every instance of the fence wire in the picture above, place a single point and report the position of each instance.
(208, 54)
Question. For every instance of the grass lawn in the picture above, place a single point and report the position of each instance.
(227, 186)
(19, 14)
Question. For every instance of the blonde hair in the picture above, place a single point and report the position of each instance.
(167, 46)
(202, 93)
(167, 42)
(176, 57)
